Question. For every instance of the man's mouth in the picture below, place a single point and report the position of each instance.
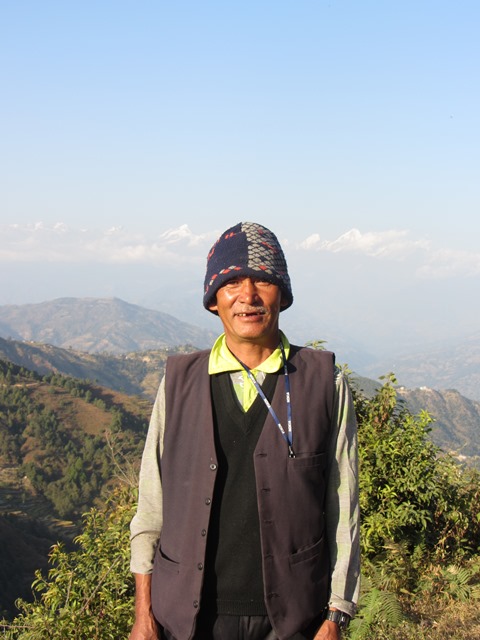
(247, 314)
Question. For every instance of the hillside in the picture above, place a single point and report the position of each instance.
(43, 416)
(98, 325)
(62, 444)
(136, 373)
(457, 419)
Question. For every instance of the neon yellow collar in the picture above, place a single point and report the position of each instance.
(222, 359)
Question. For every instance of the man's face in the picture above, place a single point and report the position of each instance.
(249, 310)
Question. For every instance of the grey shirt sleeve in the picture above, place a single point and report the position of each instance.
(342, 507)
(146, 525)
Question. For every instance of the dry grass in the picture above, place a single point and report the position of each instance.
(435, 620)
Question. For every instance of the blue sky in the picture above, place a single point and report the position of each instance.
(349, 128)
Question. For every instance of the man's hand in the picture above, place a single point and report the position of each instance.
(145, 627)
(328, 631)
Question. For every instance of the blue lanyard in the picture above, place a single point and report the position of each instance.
(289, 435)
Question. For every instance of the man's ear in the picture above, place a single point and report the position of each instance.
(213, 307)
(283, 301)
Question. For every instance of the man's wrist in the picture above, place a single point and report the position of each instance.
(341, 618)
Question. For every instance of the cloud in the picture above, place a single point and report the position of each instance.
(178, 246)
(312, 242)
(426, 260)
(183, 234)
(60, 243)
(392, 243)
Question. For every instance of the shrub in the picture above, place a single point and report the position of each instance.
(88, 593)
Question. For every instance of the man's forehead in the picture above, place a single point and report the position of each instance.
(241, 278)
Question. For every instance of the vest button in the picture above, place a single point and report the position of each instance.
(195, 604)
(204, 532)
(213, 466)
(208, 501)
(199, 566)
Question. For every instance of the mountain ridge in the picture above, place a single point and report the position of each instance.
(98, 325)
(112, 325)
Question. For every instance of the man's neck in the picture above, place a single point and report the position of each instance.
(252, 354)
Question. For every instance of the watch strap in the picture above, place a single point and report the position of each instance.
(341, 618)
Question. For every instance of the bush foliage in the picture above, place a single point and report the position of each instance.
(420, 529)
(88, 593)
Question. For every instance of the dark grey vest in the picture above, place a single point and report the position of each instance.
(290, 494)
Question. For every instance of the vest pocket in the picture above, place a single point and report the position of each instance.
(308, 460)
(307, 553)
(164, 563)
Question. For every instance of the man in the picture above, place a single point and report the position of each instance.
(247, 523)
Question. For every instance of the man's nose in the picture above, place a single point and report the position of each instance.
(248, 291)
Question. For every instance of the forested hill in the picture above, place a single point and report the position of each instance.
(136, 373)
(457, 419)
(58, 440)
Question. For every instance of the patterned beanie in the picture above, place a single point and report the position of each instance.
(247, 249)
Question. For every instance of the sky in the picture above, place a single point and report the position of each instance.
(133, 133)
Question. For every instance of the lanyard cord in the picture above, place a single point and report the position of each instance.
(289, 435)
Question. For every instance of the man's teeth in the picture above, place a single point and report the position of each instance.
(252, 313)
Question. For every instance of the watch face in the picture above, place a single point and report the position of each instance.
(343, 622)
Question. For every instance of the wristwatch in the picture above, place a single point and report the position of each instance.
(341, 618)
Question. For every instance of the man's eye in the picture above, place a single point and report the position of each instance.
(232, 283)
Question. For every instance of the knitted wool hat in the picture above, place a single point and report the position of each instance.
(247, 249)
